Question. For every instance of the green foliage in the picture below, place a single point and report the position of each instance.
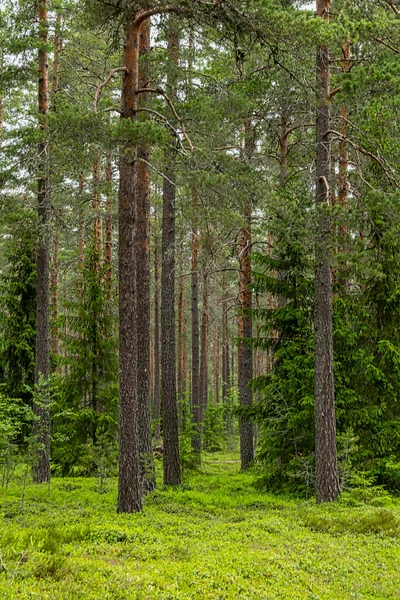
(86, 412)
(18, 309)
(72, 544)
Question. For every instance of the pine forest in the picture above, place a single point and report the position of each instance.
(199, 299)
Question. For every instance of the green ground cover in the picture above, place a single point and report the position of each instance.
(216, 537)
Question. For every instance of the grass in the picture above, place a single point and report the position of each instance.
(215, 537)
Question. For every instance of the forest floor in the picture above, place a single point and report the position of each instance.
(215, 537)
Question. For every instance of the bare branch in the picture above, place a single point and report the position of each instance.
(385, 166)
(173, 110)
(104, 83)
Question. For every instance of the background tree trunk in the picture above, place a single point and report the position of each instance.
(195, 396)
(157, 378)
(245, 323)
(129, 490)
(327, 475)
(42, 350)
(172, 472)
(142, 261)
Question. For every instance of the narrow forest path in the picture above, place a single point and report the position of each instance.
(215, 537)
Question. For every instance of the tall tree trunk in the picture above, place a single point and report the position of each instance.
(204, 350)
(216, 366)
(327, 475)
(181, 331)
(55, 342)
(195, 397)
(109, 230)
(42, 350)
(142, 260)
(343, 179)
(283, 174)
(97, 223)
(157, 378)
(245, 324)
(81, 243)
(172, 472)
(129, 490)
(226, 378)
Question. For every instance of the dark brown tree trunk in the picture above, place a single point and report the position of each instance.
(41, 472)
(81, 244)
(327, 475)
(216, 366)
(343, 179)
(195, 397)
(204, 350)
(109, 231)
(142, 261)
(97, 223)
(55, 341)
(172, 471)
(129, 490)
(226, 378)
(181, 331)
(157, 378)
(283, 159)
(245, 324)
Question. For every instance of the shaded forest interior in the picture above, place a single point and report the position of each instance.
(200, 231)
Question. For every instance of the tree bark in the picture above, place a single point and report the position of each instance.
(195, 397)
(129, 490)
(142, 261)
(327, 475)
(41, 428)
(226, 376)
(97, 223)
(172, 472)
(157, 378)
(216, 366)
(245, 324)
(181, 332)
(204, 350)
(109, 231)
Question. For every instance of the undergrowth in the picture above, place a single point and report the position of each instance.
(215, 537)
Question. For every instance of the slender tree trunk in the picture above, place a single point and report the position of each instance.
(81, 244)
(216, 366)
(195, 398)
(343, 179)
(55, 342)
(157, 378)
(327, 475)
(283, 174)
(42, 350)
(172, 472)
(245, 325)
(143, 281)
(97, 223)
(204, 350)
(129, 490)
(181, 330)
(109, 231)
(226, 379)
